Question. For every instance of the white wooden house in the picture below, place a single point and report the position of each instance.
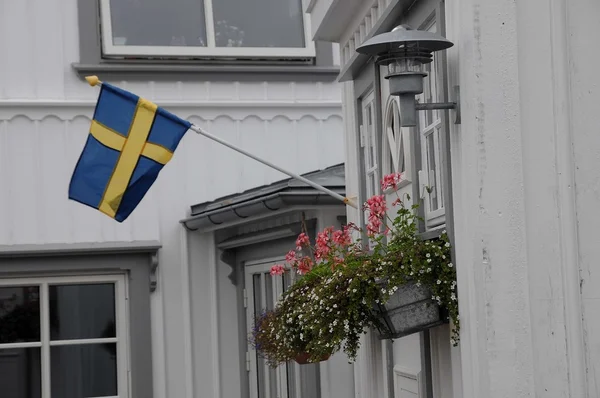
(144, 308)
(515, 183)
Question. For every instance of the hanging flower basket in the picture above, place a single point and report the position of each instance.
(304, 358)
(409, 310)
(396, 283)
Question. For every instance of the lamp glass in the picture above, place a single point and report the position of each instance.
(403, 65)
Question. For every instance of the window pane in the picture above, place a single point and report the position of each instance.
(269, 291)
(258, 23)
(158, 22)
(20, 373)
(82, 311)
(83, 370)
(19, 314)
(433, 201)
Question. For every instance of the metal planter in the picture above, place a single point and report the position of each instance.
(409, 310)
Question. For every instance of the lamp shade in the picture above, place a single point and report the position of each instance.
(404, 38)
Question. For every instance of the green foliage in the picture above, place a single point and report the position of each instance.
(332, 305)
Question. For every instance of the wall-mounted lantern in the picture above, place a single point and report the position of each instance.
(404, 51)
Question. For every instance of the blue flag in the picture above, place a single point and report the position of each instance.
(129, 142)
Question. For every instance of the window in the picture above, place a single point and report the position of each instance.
(396, 142)
(205, 29)
(64, 337)
(287, 381)
(368, 142)
(431, 128)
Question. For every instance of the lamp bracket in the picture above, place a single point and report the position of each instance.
(443, 105)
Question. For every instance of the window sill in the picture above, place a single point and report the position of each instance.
(204, 72)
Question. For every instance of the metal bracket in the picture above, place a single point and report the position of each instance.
(444, 105)
(153, 269)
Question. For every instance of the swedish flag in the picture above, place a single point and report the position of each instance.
(129, 142)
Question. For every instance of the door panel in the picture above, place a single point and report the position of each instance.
(289, 380)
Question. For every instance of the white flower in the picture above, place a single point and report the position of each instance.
(335, 306)
(439, 282)
(427, 255)
(428, 260)
(428, 269)
(450, 265)
(447, 244)
(453, 297)
(452, 341)
(301, 336)
(353, 290)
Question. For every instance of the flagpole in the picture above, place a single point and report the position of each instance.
(94, 81)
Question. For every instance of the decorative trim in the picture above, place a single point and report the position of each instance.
(237, 104)
(153, 268)
(207, 72)
(73, 249)
(228, 257)
(201, 110)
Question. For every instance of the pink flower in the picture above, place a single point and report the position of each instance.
(277, 269)
(374, 226)
(376, 206)
(322, 244)
(342, 238)
(391, 181)
(290, 257)
(305, 264)
(396, 202)
(302, 241)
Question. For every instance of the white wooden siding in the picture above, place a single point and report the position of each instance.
(45, 111)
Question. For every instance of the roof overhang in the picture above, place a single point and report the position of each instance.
(279, 197)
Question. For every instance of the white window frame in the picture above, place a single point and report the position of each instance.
(433, 217)
(368, 143)
(210, 50)
(396, 145)
(122, 327)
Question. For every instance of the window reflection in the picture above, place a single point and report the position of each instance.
(19, 314)
(82, 311)
(20, 373)
(88, 370)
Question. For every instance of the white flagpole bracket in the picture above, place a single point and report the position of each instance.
(94, 81)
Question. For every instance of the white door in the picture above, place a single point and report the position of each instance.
(289, 380)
